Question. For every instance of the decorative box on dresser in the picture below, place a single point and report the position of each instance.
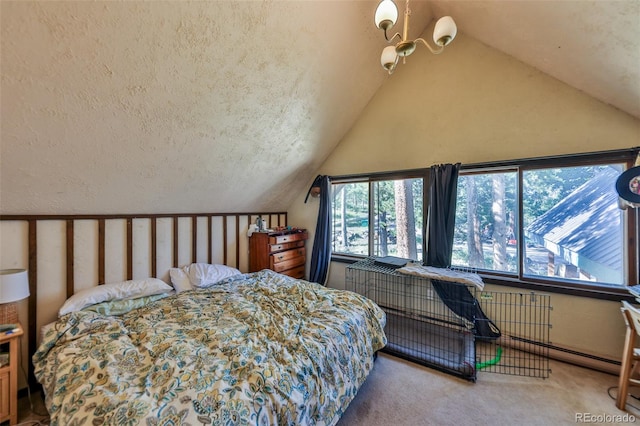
(280, 251)
(9, 377)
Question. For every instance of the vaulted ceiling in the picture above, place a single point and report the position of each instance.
(593, 46)
(232, 106)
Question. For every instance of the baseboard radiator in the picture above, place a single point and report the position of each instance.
(582, 359)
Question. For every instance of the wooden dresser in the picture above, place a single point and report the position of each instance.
(281, 252)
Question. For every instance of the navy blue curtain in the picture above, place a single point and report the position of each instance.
(442, 217)
(321, 255)
(442, 214)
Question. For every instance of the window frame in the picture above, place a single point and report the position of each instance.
(631, 217)
(558, 285)
(371, 178)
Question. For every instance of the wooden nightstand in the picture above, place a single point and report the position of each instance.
(9, 377)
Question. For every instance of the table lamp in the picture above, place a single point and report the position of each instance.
(14, 286)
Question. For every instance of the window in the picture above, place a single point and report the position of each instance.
(572, 225)
(350, 218)
(485, 233)
(556, 224)
(378, 216)
(548, 223)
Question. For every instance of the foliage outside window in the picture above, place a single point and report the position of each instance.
(378, 218)
(565, 223)
(486, 209)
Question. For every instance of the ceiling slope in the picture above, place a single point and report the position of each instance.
(593, 46)
(177, 106)
(231, 106)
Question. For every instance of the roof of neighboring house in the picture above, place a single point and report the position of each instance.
(586, 222)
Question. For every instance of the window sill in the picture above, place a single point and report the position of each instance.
(347, 258)
(580, 290)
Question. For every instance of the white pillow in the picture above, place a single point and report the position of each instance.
(203, 275)
(113, 291)
(180, 279)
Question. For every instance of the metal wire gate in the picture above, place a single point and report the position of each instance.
(422, 328)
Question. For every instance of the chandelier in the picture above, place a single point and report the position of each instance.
(386, 17)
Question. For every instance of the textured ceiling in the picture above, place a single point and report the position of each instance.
(593, 46)
(232, 106)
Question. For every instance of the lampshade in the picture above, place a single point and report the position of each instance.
(14, 286)
(388, 57)
(445, 31)
(386, 13)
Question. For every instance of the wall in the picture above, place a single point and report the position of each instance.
(184, 103)
(474, 104)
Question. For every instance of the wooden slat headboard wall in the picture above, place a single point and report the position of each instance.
(88, 250)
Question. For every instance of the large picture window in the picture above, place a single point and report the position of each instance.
(486, 222)
(378, 217)
(545, 223)
(552, 222)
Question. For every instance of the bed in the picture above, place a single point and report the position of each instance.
(250, 349)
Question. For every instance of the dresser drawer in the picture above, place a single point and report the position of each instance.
(288, 238)
(287, 255)
(286, 246)
(286, 264)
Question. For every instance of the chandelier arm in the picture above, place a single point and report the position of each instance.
(394, 36)
(432, 49)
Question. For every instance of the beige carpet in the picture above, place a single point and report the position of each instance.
(400, 393)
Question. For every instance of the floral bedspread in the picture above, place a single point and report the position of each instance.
(264, 349)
